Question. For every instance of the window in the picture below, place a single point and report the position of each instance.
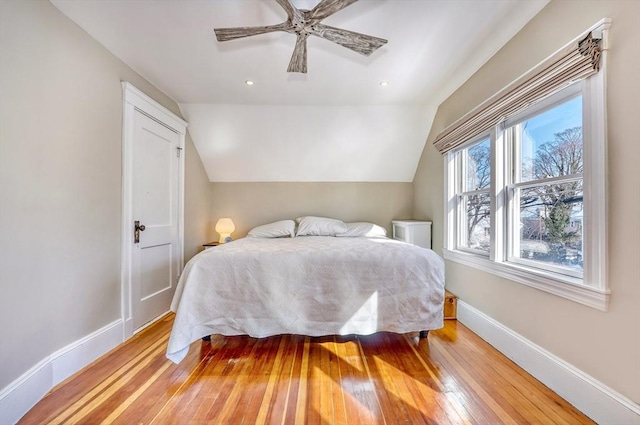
(525, 176)
(473, 197)
(545, 188)
(526, 199)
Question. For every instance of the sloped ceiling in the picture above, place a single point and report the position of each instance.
(335, 123)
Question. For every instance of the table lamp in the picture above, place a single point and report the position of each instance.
(225, 227)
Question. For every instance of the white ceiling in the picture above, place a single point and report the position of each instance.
(335, 123)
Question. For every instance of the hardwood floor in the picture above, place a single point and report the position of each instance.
(453, 377)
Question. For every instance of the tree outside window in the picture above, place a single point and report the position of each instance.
(549, 187)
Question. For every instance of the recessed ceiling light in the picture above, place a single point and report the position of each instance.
(384, 83)
(249, 82)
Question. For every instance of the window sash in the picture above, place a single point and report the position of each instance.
(513, 230)
(545, 266)
(460, 164)
(462, 241)
(549, 180)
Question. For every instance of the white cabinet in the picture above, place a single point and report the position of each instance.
(413, 231)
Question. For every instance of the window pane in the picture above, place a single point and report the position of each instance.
(551, 224)
(477, 225)
(551, 142)
(478, 166)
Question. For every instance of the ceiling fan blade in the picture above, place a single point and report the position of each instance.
(298, 61)
(291, 10)
(361, 43)
(226, 34)
(327, 8)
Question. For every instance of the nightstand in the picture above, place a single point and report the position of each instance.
(210, 245)
(413, 231)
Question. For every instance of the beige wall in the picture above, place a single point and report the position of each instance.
(604, 345)
(60, 184)
(253, 204)
(197, 202)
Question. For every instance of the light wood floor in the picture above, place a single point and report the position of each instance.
(453, 377)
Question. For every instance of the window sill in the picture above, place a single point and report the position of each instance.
(562, 286)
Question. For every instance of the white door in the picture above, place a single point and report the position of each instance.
(156, 251)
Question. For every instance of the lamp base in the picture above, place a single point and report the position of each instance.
(223, 236)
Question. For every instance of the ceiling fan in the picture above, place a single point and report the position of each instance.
(304, 23)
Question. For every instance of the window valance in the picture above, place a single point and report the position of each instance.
(577, 60)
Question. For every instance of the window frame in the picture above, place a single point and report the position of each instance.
(460, 163)
(591, 289)
(513, 170)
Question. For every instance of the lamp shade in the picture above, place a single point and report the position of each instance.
(225, 227)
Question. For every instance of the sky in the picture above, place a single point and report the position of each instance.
(541, 128)
(537, 131)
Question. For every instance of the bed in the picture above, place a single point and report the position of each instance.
(308, 285)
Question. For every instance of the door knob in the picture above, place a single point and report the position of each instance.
(136, 231)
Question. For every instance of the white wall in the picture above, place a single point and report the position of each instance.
(60, 184)
(605, 345)
(304, 143)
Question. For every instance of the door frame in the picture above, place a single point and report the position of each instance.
(134, 99)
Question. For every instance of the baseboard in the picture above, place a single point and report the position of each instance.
(22, 394)
(128, 329)
(151, 322)
(596, 400)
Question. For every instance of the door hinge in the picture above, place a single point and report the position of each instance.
(179, 150)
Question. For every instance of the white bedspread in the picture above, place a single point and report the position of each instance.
(309, 286)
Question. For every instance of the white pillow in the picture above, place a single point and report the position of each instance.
(365, 229)
(278, 229)
(320, 226)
